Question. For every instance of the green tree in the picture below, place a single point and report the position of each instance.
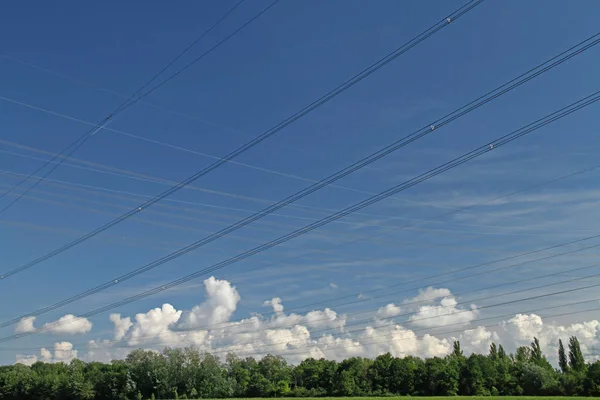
(493, 351)
(316, 376)
(380, 374)
(562, 357)
(239, 372)
(538, 381)
(576, 360)
(188, 373)
(407, 376)
(592, 380)
(442, 376)
(501, 352)
(351, 377)
(473, 379)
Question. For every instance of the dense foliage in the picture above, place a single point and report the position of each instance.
(187, 373)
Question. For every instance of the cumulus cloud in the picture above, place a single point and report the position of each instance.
(122, 325)
(325, 319)
(63, 352)
(168, 326)
(390, 310)
(103, 351)
(220, 304)
(26, 360)
(523, 327)
(316, 333)
(25, 325)
(477, 340)
(401, 342)
(275, 302)
(429, 294)
(153, 325)
(69, 325)
(46, 355)
(446, 313)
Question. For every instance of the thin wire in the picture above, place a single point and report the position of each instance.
(502, 229)
(74, 146)
(476, 320)
(504, 268)
(416, 320)
(243, 322)
(288, 121)
(87, 188)
(132, 175)
(503, 140)
(433, 125)
(462, 330)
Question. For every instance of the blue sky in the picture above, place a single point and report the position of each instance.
(293, 54)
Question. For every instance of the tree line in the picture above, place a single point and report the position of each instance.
(190, 374)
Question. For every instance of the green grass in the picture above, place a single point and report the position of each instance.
(439, 398)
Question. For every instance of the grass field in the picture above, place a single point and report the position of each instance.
(441, 398)
(436, 398)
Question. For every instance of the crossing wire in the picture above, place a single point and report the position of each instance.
(288, 121)
(501, 141)
(74, 146)
(240, 323)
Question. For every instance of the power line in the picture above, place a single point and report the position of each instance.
(393, 323)
(74, 146)
(101, 168)
(363, 322)
(577, 241)
(435, 124)
(577, 49)
(102, 189)
(390, 334)
(101, 89)
(243, 322)
(503, 140)
(186, 217)
(476, 320)
(288, 121)
(377, 240)
(503, 268)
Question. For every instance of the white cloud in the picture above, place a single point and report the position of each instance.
(102, 351)
(520, 330)
(26, 360)
(324, 319)
(317, 333)
(63, 352)
(390, 310)
(45, 355)
(219, 306)
(524, 327)
(155, 325)
(433, 316)
(122, 325)
(25, 325)
(477, 340)
(401, 342)
(428, 295)
(69, 324)
(333, 285)
(275, 302)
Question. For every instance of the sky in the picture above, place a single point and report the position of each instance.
(378, 280)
